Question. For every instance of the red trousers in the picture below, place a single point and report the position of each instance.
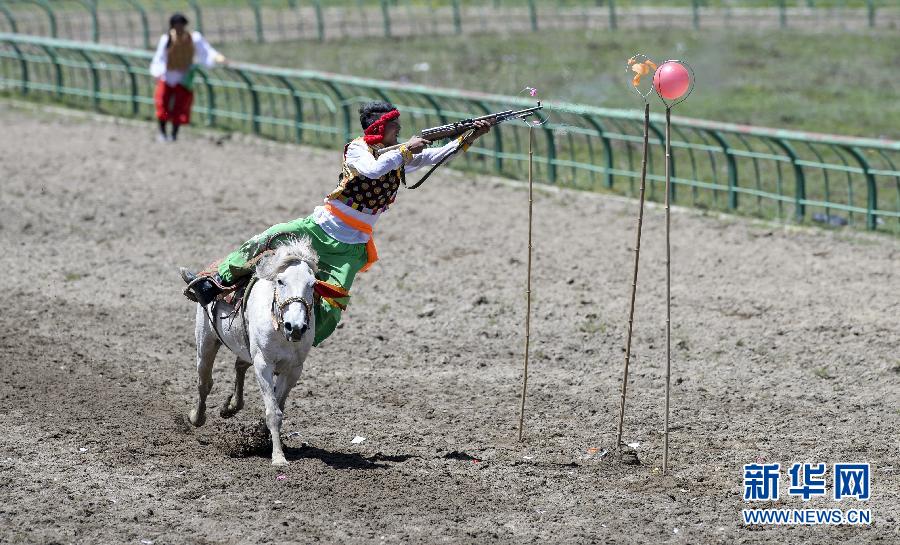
(173, 103)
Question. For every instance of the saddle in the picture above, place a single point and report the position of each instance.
(234, 294)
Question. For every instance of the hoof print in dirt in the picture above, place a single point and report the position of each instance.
(629, 458)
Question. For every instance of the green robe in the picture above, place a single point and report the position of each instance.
(338, 264)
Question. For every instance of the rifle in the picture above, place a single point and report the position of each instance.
(457, 128)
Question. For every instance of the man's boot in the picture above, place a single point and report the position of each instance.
(201, 289)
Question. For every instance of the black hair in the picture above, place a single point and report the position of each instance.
(370, 112)
(177, 18)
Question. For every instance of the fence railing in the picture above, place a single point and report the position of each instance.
(136, 23)
(763, 172)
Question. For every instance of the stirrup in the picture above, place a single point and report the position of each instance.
(190, 278)
(189, 292)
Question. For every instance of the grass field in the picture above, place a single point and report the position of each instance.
(777, 79)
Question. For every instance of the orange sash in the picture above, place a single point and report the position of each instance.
(371, 250)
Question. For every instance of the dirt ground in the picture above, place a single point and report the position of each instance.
(786, 348)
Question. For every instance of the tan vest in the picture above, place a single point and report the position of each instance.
(180, 52)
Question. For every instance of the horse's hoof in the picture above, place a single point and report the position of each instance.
(279, 462)
(197, 419)
(228, 409)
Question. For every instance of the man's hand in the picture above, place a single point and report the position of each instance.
(482, 127)
(416, 144)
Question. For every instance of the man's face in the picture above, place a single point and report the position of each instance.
(391, 132)
(179, 28)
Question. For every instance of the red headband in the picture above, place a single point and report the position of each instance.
(374, 133)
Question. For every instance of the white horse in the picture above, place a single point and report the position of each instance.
(273, 334)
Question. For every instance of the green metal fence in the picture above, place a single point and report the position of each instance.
(137, 23)
(756, 171)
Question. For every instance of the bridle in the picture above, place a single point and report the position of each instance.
(279, 305)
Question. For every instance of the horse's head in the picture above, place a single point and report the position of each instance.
(292, 271)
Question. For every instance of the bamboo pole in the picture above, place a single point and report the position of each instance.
(668, 294)
(637, 256)
(528, 284)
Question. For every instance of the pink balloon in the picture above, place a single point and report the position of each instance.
(672, 80)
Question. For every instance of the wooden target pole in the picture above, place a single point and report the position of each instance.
(674, 82)
(637, 257)
(665, 466)
(528, 282)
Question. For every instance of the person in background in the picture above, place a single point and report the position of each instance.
(177, 55)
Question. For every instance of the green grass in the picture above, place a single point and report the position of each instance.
(815, 82)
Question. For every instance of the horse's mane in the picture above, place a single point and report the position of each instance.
(297, 250)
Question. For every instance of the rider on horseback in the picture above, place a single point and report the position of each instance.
(341, 230)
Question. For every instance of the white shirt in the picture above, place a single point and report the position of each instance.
(204, 55)
(361, 161)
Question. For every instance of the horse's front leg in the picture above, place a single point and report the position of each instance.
(285, 383)
(235, 401)
(265, 377)
(207, 346)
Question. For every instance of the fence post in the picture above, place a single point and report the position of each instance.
(498, 140)
(532, 12)
(386, 17)
(437, 108)
(257, 17)
(54, 58)
(695, 4)
(732, 169)
(551, 153)
(145, 25)
(320, 22)
(198, 15)
(607, 149)
(782, 13)
(51, 16)
(298, 108)
(211, 99)
(10, 18)
(871, 188)
(254, 98)
(133, 81)
(612, 15)
(870, 7)
(345, 107)
(24, 66)
(91, 8)
(95, 79)
(457, 17)
(799, 179)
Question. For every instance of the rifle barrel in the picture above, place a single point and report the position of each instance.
(498, 117)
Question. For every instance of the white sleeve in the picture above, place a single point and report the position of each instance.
(364, 163)
(431, 156)
(158, 64)
(204, 53)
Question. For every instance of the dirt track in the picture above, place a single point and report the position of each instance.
(786, 349)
